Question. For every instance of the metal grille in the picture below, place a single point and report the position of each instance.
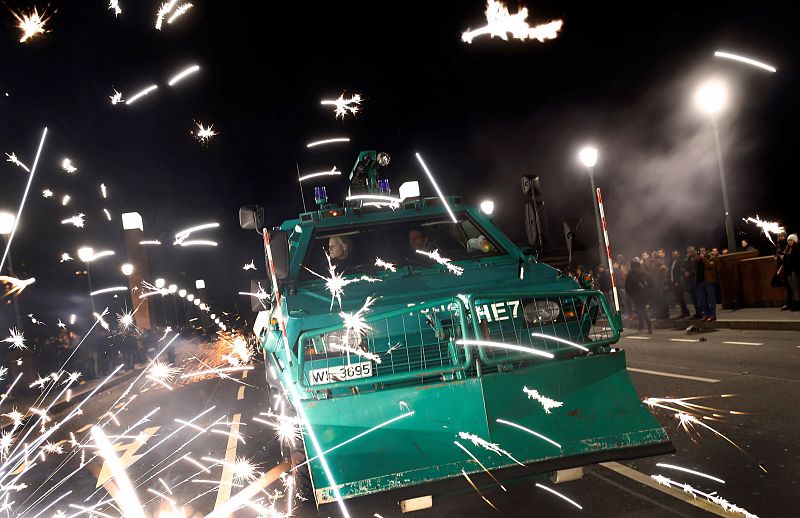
(581, 320)
(396, 346)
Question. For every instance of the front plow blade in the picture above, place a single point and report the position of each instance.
(601, 419)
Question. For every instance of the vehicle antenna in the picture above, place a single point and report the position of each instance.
(299, 183)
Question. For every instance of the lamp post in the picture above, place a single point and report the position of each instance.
(7, 221)
(711, 98)
(86, 254)
(588, 157)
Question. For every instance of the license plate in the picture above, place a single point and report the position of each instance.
(340, 373)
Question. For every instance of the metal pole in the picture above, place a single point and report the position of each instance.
(728, 217)
(89, 278)
(598, 227)
(16, 302)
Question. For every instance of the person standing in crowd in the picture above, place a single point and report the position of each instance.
(792, 269)
(676, 282)
(690, 278)
(659, 272)
(639, 286)
(604, 284)
(746, 246)
(700, 284)
(711, 284)
(779, 279)
(619, 274)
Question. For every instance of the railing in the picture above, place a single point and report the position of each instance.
(416, 344)
(556, 323)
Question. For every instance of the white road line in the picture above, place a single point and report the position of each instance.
(244, 375)
(638, 337)
(684, 340)
(240, 395)
(671, 375)
(224, 493)
(632, 474)
(743, 343)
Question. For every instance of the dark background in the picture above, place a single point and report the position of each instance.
(481, 114)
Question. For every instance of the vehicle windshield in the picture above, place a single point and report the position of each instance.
(399, 243)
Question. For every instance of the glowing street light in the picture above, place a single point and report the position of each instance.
(7, 220)
(127, 269)
(711, 98)
(182, 293)
(173, 288)
(199, 284)
(197, 302)
(487, 207)
(160, 283)
(588, 157)
(86, 254)
(190, 297)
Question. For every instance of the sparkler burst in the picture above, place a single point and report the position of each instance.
(711, 497)
(31, 23)
(250, 266)
(13, 285)
(65, 257)
(113, 5)
(444, 261)
(483, 443)
(76, 220)
(67, 166)
(344, 106)
(204, 134)
(288, 429)
(385, 265)
(16, 339)
(12, 157)
(499, 23)
(181, 10)
(546, 402)
(163, 11)
(162, 373)
(116, 98)
(768, 227)
(47, 193)
(336, 283)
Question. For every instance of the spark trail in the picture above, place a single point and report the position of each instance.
(500, 23)
(546, 402)
(344, 106)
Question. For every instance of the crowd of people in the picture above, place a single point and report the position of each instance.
(653, 283)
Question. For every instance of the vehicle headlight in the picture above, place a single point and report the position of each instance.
(541, 312)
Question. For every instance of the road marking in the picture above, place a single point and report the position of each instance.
(671, 375)
(641, 478)
(240, 395)
(683, 340)
(244, 375)
(743, 343)
(638, 337)
(226, 481)
(127, 458)
(83, 428)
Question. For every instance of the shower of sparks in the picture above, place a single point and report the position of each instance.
(511, 347)
(336, 283)
(500, 22)
(16, 339)
(553, 491)
(74, 220)
(380, 263)
(250, 266)
(471, 483)
(12, 157)
(344, 106)
(162, 373)
(327, 141)
(67, 166)
(113, 5)
(163, 11)
(354, 322)
(141, 94)
(65, 257)
(520, 427)
(332, 172)
(768, 227)
(444, 261)
(116, 98)
(221, 370)
(473, 457)
(103, 190)
(288, 429)
(483, 443)
(125, 321)
(203, 133)
(16, 286)
(126, 498)
(179, 12)
(546, 402)
(65, 200)
(687, 470)
(711, 497)
(31, 23)
(183, 73)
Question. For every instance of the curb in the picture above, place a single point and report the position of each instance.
(750, 325)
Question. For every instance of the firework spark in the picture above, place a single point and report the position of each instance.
(65, 200)
(452, 268)
(163, 11)
(126, 497)
(711, 497)
(12, 157)
(332, 172)
(31, 23)
(383, 264)
(520, 427)
(116, 98)
(344, 106)
(141, 94)
(553, 491)
(67, 166)
(113, 5)
(16, 339)
(691, 471)
(471, 483)
(47, 193)
(16, 286)
(183, 235)
(546, 402)
(499, 23)
(336, 283)
(181, 10)
(327, 141)
(182, 74)
(250, 266)
(473, 457)
(288, 429)
(103, 190)
(65, 257)
(768, 227)
(76, 220)
(204, 134)
(518, 348)
(483, 443)
(162, 373)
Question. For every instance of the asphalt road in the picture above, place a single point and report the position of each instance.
(761, 370)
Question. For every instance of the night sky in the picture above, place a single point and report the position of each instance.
(481, 114)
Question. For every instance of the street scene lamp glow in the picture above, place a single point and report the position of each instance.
(86, 253)
(199, 284)
(181, 293)
(588, 156)
(190, 297)
(196, 302)
(487, 207)
(127, 269)
(160, 283)
(711, 97)
(6, 223)
(173, 288)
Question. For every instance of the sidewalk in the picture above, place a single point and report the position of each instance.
(23, 403)
(764, 319)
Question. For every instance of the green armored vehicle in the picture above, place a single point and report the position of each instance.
(406, 331)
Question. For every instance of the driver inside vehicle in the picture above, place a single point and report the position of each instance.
(340, 250)
(417, 240)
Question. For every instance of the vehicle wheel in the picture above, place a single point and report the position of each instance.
(302, 477)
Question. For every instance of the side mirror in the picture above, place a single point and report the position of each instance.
(279, 249)
(572, 236)
(251, 217)
(531, 186)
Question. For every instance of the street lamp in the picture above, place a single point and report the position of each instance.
(7, 221)
(487, 207)
(182, 293)
(588, 157)
(711, 98)
(190, 297)
(127, 269)
(160, 283)
(86, 254)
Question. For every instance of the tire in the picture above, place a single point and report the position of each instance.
(302, 477)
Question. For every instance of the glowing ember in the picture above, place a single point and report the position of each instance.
(483, 443)
(499, 22)
(12, 157)
(203, 133)
(15, 286)
(444, 261)
(250, 266)
(546, 402)
(30, 24)
(76, 220)
(711, 497)
(67, 166)
(344, 106)
(383, 264)
(113, 5)
(163, 11)
(116, 98)
(47, 193)
(179, 12)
